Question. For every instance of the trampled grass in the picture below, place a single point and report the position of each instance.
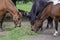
(19, 34)
(26, 7)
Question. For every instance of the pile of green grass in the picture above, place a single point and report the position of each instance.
(26, 7)
(19, 34)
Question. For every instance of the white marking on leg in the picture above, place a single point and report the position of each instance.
(56, 33)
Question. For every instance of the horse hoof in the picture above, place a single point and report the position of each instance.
(55, 35)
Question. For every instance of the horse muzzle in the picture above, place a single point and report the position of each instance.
(18, 25)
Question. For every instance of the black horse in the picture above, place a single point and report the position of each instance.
(37, 8)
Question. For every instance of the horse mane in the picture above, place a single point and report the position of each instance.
(47, 10)
(39, 15)
(47, 5)
(10, 2)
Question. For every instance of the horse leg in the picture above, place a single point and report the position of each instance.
(47, 24)
(1, 22)
(50, 22)
(56, 27)
(1, 28)
(51, 25)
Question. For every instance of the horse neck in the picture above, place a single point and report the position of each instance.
(46, 12)
(11, 7)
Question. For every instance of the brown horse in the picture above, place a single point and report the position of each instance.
(8, 6)
(52, 11)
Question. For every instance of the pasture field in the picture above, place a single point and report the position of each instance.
(26, 7)
(24, 32)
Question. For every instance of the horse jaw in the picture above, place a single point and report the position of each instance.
(56, 33)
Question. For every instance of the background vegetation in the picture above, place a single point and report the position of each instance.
(25, 7)
(25, 1)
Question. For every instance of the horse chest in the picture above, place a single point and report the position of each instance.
(2, 8)
(2, 12)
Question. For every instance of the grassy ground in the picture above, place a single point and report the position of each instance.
(18, 34)
(26, 7)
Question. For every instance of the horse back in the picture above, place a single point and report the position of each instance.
(56, 10)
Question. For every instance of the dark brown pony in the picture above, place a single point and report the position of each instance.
(52, 11)
(8, 6)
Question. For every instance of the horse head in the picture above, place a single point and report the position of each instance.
(17, 19)
(14, 12)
